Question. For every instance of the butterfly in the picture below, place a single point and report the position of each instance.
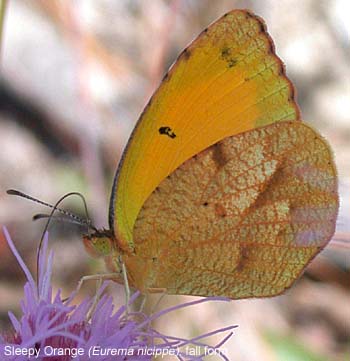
(222, 189)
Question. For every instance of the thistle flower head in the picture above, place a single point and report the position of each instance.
(56, 329)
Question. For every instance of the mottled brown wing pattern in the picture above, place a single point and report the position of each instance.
(242, 218)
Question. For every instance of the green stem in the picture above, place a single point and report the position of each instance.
(3, 5)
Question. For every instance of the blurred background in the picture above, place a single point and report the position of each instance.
(75, 75)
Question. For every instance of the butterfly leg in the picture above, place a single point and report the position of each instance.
(157, 290)
(143, 302)
(99, 278)
(163, 294)
(126, 283)
(96, 299)
(161, 291)
(96, 277)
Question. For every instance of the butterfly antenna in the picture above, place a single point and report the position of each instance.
(57, 218)
(78, 220)
(54, 207)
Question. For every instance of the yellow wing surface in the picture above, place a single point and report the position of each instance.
(241, 219)
(229, 80)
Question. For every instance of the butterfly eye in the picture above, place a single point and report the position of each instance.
(98, 245)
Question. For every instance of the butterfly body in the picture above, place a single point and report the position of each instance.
(222, 190)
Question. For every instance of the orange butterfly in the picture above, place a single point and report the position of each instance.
(221, 190)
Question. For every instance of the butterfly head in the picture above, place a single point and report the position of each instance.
(99, 243)
(102, 243)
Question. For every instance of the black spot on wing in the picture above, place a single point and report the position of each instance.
(232, 62)
(167, 131)
(226, 54)
(186, 54)
(166, 77)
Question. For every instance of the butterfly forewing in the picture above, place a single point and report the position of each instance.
(227, 81)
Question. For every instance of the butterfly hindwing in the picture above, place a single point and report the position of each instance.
(242, 218)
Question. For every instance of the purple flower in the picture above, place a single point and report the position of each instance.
(53, 329)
